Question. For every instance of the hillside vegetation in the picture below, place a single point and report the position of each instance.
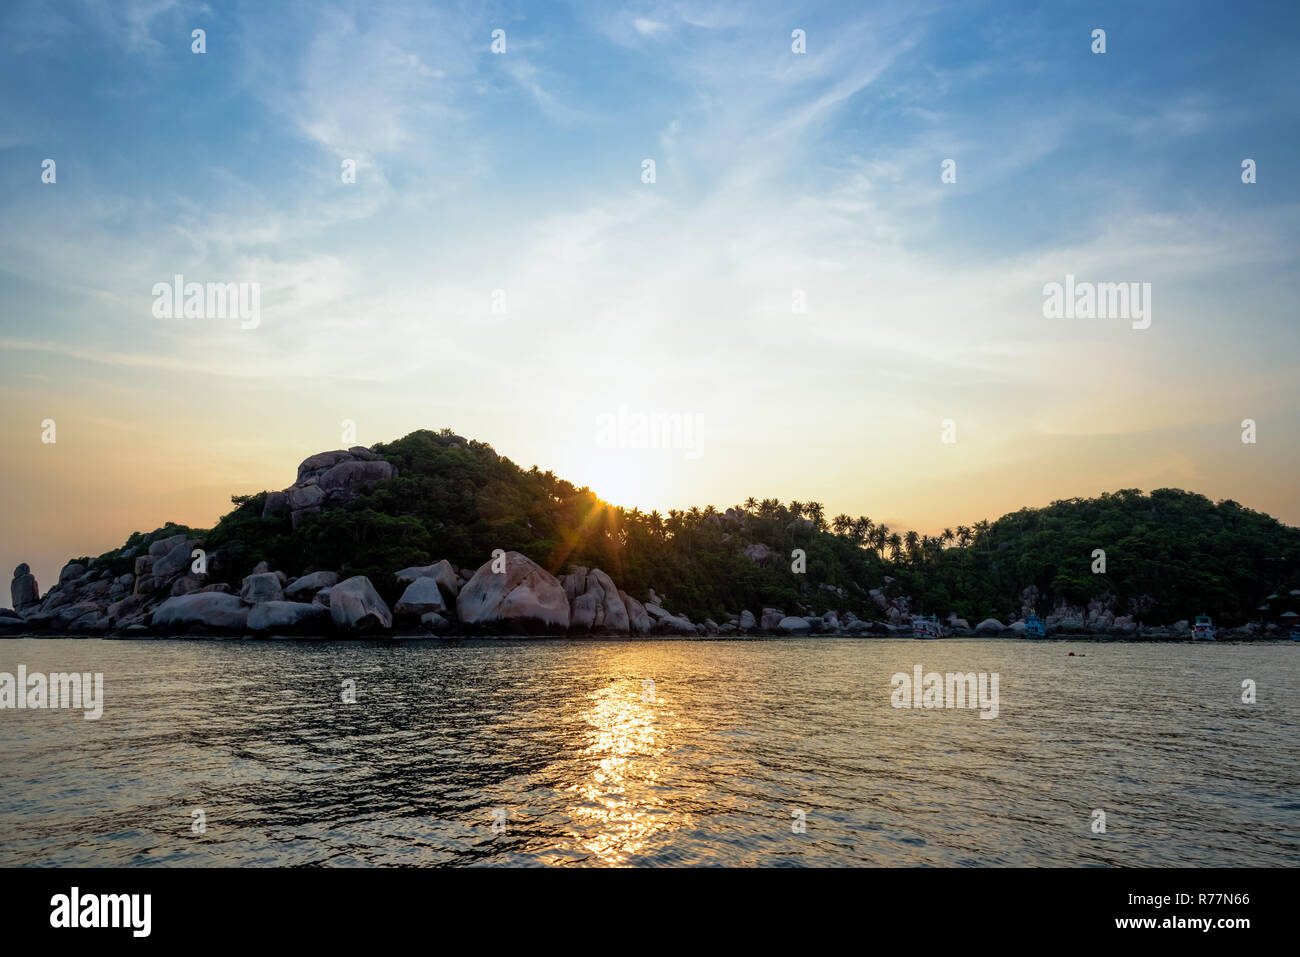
(1170, 554)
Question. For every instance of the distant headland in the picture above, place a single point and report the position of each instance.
(437, 535)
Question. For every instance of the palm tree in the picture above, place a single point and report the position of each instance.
(947, 536)
(817, 513)
(751, 504)
(796, 509)
(862, 530)
(913, 541)
(881, 539)
(895, 545)
(842, 524)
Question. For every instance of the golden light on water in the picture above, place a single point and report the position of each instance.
(617, 810)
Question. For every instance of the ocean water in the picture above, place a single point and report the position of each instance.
(562, 753)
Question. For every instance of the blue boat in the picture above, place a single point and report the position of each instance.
(1034, 627)
(1203, 630)
(926, 627)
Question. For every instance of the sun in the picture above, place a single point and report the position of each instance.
(631, 478)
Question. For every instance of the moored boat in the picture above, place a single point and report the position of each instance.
(1203, 630)
(926, 626)
(1034, 626)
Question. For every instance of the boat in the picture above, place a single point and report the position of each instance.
(926, 626)
(1295, 634)
(1034, 627)
(1203, 630)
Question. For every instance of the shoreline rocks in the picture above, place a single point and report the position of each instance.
(509, 596)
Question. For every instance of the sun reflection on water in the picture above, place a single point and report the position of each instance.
(616, 809)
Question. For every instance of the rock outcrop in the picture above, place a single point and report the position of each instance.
(441, 572)
(524, 598)
(422, 597)
(794, 626)
(214, 610)
(666, 623)
(306, 587)
(356, 606)
(289, 617)
(261, 587)
(596, 606)
(327, 479)
(23, 590)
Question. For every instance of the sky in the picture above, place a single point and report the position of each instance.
(797, 282)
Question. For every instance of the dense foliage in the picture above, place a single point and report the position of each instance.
(1170, 554)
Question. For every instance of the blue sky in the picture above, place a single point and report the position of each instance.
(521, 171)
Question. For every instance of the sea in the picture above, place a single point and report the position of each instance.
(810, 752)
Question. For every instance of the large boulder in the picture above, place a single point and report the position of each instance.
(189, 583)
(595, 605)
(287, 616)
(794, 626)
(747, 621)
(305, 496)
(441, 572)
(675, 625)
(24, 593)
(422, 597)
(329, 478)
(771, 619)
(523, 599)
(176, 560)
(356, 606)
(316, 465)
(344, 475)
(990, 626)
(261, 587)
(638, 619)
(164, 545)
(212, 609)
(306, 587)
(130, 610)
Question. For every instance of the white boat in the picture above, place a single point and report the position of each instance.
(1203, 630)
